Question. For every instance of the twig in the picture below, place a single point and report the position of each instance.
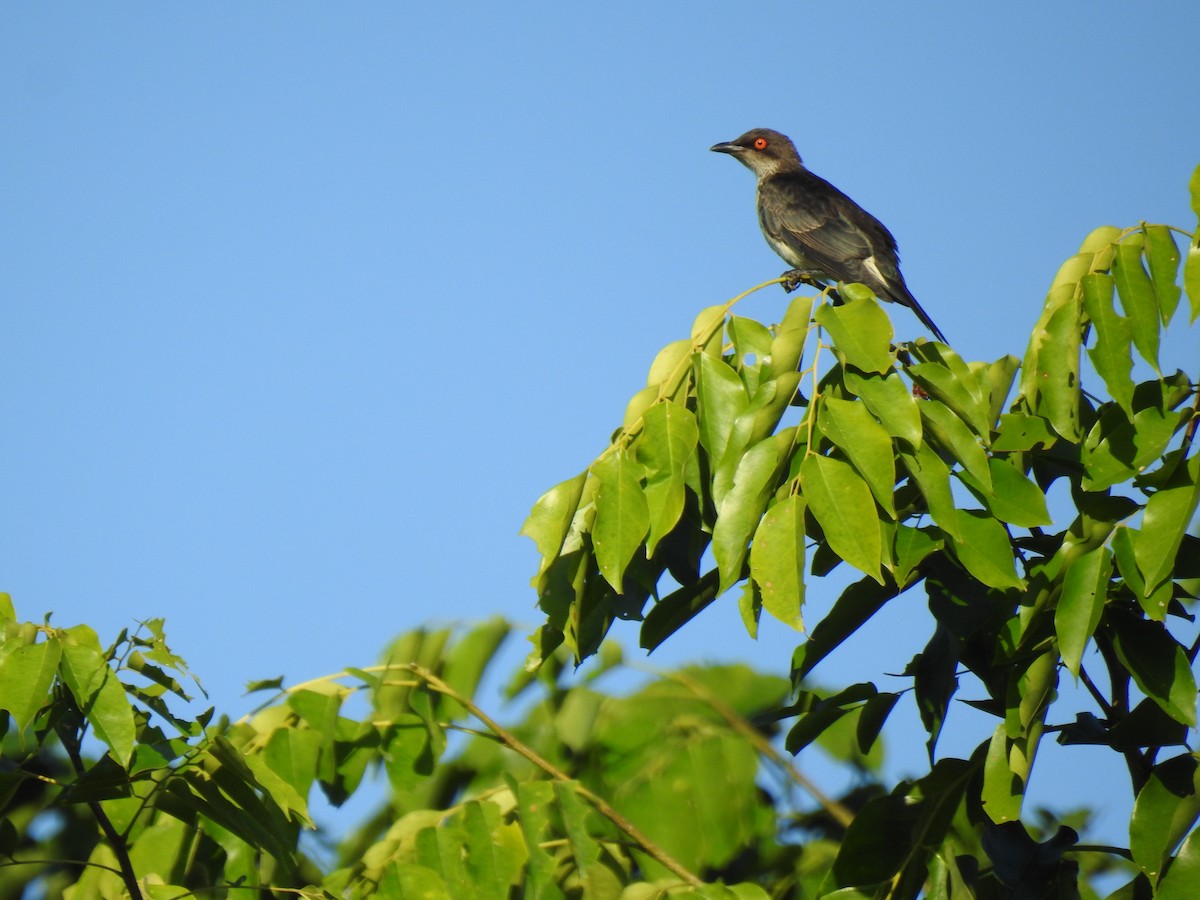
(70, 741)
(596, 801)
(837, 811)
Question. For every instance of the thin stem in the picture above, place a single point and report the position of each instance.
(837, 811)
(596, 801)
(1100, 699)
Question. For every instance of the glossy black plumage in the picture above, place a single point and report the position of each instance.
(815, 228)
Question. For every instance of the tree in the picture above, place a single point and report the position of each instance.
(756, 456)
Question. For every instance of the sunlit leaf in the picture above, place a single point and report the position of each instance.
(1166, 807)
(1111, 355)
(853, 429)
(891, 401)
(26, 675)
(720, 399)
(622, 516)
(550, 519)
(953, 436)
(984, 549)
(1162, 255)
(740, 510)
(862, 334)
(777, 560)
(842, 503)
(1084, 590)
(1137, 297)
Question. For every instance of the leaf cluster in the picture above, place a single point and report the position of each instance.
(766, 457)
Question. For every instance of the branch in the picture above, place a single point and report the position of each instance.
(836, 810)
(597, 802)
(70, 741)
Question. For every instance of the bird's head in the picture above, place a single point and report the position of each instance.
(763, 151)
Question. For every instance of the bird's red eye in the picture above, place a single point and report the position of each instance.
(760, 143)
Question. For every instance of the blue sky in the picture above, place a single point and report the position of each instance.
(303, 305)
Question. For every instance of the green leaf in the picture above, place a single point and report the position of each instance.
(550, 520)
(98, 692)
(1165, 521)
(1112, 355)
(720, 399)
(1158, 664)
(1137, 297)
(26, 676)
(1013, 498)
(622, 515)
(933, 478)
(851, 610)
(996, 380)
(777, 560)
(952, 435)
(945, 377)
(750, 603)
(872, 718)
(1166, 807)
(862, 334)
(841, 502)
(1182, 881)
(787, 348)
(574, 816)
(668, 440)
(1117, 449)
(1191, 280)
(1162, 254)
(852, 428)
(891, 401)
(495, 850)
(984, 549)
(740, 510)
(1084, 591)
(670, 364)
(678, 608)
(892, 838)
(1055, 368)
(751, 342)
(1018, 432)
(467, 660)
(1002, 790)
(912, 546)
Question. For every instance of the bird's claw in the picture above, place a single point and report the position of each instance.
(793, 278)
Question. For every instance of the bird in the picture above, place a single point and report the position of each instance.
(818, 230)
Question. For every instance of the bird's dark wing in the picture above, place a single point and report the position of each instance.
(821, 224)
(813, 225)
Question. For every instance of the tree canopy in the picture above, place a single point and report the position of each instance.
(759, 458)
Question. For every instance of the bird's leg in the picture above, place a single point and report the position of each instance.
(793, 278)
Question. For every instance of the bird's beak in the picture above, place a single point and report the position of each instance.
(727, 147)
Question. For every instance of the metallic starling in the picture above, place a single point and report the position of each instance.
(816, 228)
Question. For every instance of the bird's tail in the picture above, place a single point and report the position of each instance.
(904, 297)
